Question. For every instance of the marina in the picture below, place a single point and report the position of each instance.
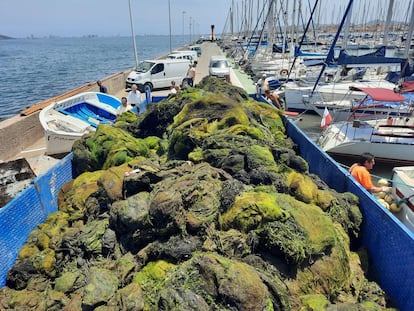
(388, 242)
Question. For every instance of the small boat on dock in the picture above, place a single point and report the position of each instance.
(68, 120)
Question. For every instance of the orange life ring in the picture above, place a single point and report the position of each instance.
(284, 72)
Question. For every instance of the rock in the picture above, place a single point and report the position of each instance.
(100, 288)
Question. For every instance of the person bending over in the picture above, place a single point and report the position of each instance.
(360, 171)
(274, 98)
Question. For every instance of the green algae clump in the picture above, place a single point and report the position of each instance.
(251, 210)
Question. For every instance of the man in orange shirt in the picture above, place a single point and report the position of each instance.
(360, 171)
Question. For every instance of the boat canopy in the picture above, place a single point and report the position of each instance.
(374, 58)
(380, 94)
(407, 86)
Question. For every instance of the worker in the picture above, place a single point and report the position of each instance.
(360, 171)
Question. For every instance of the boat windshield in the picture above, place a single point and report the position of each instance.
(144, 66)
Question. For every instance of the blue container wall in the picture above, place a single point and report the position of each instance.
(27, 210)
(389, 243)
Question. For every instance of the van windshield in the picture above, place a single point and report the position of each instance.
(144, 66)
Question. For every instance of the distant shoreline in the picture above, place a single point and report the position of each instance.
(3, 37)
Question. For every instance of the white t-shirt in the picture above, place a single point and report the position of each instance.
(121, 109)
(134, 98)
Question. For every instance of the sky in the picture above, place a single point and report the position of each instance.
(24, 18)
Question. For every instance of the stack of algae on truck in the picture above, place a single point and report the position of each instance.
(199, 203)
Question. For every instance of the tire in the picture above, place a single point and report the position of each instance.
(149, 85)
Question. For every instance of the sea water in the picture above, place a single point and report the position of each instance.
(33, 70)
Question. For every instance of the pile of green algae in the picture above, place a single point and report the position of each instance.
(200, 203)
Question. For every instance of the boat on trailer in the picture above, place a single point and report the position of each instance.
(68, 120)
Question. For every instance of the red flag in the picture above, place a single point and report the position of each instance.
(326, 118)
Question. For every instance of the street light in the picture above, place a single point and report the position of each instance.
(183, 23)
(190, 29)
(133, 34)
(169, 19)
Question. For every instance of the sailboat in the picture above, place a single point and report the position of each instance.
(389, 137)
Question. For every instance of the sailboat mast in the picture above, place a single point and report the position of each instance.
(388, 22)
(330, 55)
(410, 33)
(346, 31)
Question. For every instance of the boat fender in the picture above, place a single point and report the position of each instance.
(284, 72)
(395, 208)
(382, 182)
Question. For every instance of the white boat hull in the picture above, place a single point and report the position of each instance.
(57, 143)
(63, 127)
(391, 143)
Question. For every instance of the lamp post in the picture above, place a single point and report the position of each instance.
(190, 29)
(183, 23)
(133, 34)
(169, 19)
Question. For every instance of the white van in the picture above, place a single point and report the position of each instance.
(196, 48)
(158, 73)
(191, 53)
(188, 56)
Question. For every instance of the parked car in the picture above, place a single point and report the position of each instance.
(196, 48)
(219, 67)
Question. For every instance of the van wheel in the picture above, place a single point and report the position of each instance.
(149, 85)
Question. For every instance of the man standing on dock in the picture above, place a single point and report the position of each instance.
(134, 97)
(102, 88)
(262, 85)
(190, 75)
